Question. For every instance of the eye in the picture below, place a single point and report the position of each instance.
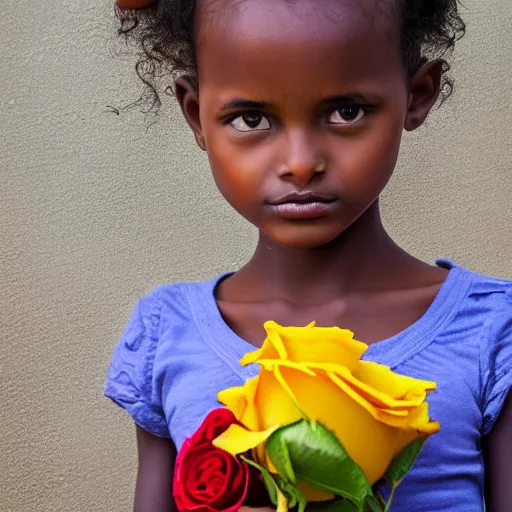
(347, 115)
(250, 122)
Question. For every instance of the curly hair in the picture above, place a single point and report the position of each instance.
(164, 37)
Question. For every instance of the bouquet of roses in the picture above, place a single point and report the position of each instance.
(317, 427)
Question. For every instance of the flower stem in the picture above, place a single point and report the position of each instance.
(391, 496)
(380, 499)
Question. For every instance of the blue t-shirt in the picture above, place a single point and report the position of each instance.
(177, 353)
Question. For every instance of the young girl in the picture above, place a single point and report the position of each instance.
(300, 106)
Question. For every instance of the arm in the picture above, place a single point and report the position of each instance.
(153, 492)
(498, 462)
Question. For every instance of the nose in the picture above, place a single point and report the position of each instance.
(303, 159)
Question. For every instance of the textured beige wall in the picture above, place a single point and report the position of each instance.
(95, 212)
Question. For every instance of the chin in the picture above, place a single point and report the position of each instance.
(304, 237)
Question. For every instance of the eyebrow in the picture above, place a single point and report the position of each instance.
(346, 98)
(241, 103)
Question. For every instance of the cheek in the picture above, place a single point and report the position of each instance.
(239, 170)
(235, 182)
(368, 162)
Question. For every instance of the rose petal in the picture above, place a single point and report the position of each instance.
(208, 479)
(234, 502)
(178, 482)
(236, 478)
(237, 439)
(213, 477)
(203, 462)
(214, 424)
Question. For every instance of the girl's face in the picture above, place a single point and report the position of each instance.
(301, 108)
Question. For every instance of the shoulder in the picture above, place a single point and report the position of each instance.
(493, 292)
(179, 319)
(486, 309)
(176, 301)
(492, 298)
(477, 307)
(484, 298)
(148, 352)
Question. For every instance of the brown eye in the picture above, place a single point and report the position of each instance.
(250, 121)
(346, 115)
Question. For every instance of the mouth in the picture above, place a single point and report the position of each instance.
(303, 198)
(303, 205)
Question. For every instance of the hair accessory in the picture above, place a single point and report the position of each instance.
(135, 4)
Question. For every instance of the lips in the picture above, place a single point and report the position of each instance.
(303, 198)
(303, 205)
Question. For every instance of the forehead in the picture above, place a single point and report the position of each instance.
(274, 41)
(380, 15)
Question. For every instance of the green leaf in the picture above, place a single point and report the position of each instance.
(294, 496)
(286, 469)
(268, 479)
(343, 505)
(380, 500)
(302, 502)
(372, 504)
(310, 452)
(275, 483)
(404, 461)
(339, 505)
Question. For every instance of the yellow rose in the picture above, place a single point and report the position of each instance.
(316, 372)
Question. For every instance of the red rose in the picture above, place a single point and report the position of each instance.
(207, 479)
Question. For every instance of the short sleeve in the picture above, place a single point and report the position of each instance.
(130, 382)
(497, 362)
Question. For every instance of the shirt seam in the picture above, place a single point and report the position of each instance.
(449, 317)
(217, 350)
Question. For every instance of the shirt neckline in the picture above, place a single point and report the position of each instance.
(391, 351)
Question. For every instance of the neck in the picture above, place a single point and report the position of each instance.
(363, 257)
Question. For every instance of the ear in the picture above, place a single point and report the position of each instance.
(424, 89)
(188, 100)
